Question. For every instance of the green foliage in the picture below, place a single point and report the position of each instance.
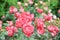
(5, 4)
(57, 37)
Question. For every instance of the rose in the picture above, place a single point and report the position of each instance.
(53, 29)
(11, 30)
(28, 29)
(39, 10)
(40, 26)
(13, 9)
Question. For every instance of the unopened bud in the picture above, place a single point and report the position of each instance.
(26, 4)
(41, 2)
(19, 3)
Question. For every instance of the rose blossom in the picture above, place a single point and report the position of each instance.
(28, 29)
(40, 26)
(53, 29)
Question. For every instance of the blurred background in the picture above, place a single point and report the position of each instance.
(5, 4)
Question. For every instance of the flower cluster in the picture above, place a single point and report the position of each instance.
(24, 20)
(29, 20)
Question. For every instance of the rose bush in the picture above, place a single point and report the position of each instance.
(28, 21)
